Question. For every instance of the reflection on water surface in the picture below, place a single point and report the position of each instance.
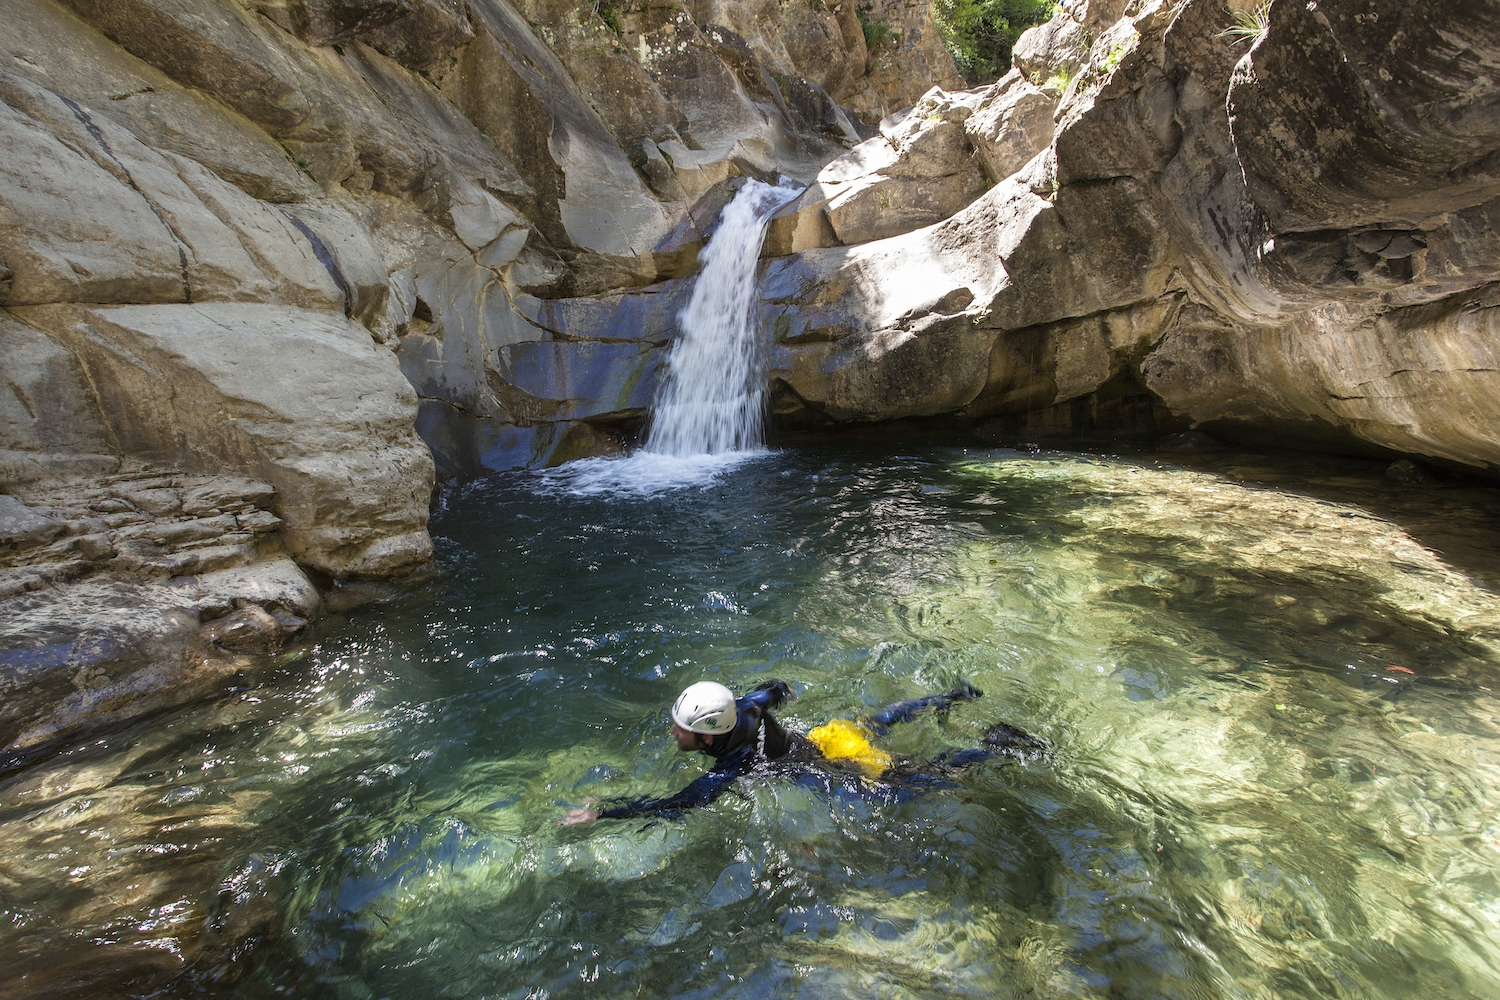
(1269, 688)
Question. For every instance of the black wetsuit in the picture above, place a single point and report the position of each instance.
(757, 738)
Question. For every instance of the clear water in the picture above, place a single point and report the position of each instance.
(712, 399)
(1269, 688)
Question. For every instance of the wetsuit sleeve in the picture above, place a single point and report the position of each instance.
(905, 711)
(771, 694)
(700, 793)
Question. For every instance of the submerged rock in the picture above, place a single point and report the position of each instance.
(1409, 473)
(248, 630)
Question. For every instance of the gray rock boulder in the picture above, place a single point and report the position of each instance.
(22, 527)
(302, 399)
(920, 170)
(813, 42)
(556, 381)
(104, 580)
(426, 39)
(1050, 55)
(930, 173)
(603, 356)
(106, 651)
(917, 370)
(248, 630)
(1011, 124)
(49, 420)
(316, 100)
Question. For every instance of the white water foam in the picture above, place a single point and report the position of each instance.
(709, 415)
(642, 473)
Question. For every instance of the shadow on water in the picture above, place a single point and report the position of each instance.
(1274, 759)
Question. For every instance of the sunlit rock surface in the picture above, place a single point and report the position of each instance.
(277, 241)
(920, 169)
(1286, 238)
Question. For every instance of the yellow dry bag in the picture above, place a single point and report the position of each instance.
(843, 742)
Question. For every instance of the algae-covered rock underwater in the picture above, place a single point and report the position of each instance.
(876, 498)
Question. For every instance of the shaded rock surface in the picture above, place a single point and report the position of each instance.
(1281, 239)
(109, 588)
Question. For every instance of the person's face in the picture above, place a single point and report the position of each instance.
(687, 739)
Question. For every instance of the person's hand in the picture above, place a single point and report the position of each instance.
(577, 816)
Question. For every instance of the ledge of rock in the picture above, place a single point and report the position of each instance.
(1287, 238)
(304, 399)
(110, 587)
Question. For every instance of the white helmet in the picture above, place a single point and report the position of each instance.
(706, 707)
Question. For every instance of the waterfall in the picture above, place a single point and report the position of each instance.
(712, 400)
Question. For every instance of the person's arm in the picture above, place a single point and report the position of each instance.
(771, 694)
(700, 792)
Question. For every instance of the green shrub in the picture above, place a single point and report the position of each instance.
(1057, 83)
(877, 30)
(1248, 25)
(1119, 52)
(606, 13)
(981, 33)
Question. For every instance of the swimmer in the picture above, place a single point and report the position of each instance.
(741, 734)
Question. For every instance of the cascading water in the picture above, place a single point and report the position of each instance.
(712, 401)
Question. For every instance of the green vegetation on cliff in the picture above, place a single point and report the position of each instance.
(980, 33)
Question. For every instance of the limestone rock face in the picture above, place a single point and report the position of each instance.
(920, 169)
(907, 59)
(929, 174)
(1011, 124)
(52, 48)
(1288, 238)
(161, 228)
(812, 41)
(48, 419)
(1051, 54)
(303, 399)
(262, 245)
(107, 582)
(322, 22)
(510, 198)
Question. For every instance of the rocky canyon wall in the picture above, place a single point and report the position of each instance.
(267, 267)
(1283, 234)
